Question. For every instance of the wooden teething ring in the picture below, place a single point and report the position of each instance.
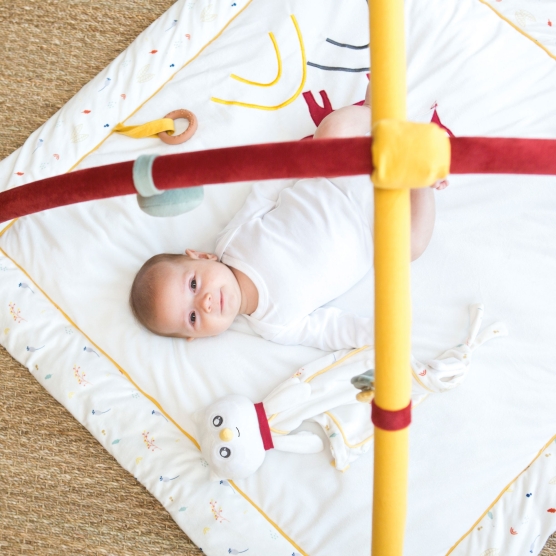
(182, 137)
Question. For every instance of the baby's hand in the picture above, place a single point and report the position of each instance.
(440, 184)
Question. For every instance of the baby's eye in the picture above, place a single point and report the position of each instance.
(192, 317)
(193, 284)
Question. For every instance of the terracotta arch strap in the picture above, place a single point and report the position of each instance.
(390, 420)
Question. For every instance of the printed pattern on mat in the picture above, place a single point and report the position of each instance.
(534, 19)
(112, 97)
(524, 516)
(128, 425)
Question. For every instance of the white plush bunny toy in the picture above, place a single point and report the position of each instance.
(234, 433)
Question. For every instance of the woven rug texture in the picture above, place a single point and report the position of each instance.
(61, 492)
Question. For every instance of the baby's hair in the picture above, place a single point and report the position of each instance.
(141, 296)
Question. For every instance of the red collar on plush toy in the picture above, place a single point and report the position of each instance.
(264, 427)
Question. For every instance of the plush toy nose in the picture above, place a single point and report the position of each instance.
(226, 435)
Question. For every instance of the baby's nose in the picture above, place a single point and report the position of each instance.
(206, 302)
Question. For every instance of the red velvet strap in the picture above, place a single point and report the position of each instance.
(502, 155)
(294, 159)
(390, 420)
(264, 427)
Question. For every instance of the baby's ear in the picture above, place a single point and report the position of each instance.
(192, 254)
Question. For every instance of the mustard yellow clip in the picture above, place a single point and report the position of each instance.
(409, 155)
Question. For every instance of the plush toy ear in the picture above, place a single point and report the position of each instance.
(290, 396)
(303, 442)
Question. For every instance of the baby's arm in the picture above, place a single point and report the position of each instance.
(329, 329)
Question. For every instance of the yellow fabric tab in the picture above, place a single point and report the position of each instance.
(150, 129)
(409, 155)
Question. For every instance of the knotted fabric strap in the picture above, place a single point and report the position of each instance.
(390, 420)
(150, 129)
(264, 427)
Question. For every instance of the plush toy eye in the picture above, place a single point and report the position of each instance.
(225, 452)
(217, 421)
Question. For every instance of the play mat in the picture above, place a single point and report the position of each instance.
(482, 475)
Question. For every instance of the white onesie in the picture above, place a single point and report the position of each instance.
(303, 244)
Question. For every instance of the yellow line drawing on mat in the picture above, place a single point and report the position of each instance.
(518, 29)
(292, 98)
(278, 76)
(501, 494)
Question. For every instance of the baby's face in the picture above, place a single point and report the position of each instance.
(195, 298)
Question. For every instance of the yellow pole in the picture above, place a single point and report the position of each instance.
(392, 288)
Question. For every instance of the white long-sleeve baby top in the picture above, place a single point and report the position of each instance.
(303, 244)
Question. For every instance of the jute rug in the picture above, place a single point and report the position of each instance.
(61, 493)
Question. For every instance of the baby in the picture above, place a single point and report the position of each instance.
(290, 250)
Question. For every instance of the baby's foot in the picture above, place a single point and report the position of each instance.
(440, 184)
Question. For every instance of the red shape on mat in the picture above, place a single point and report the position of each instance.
(318, 113)
(436, 120)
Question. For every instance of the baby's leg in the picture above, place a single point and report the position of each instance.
(354, 121)
(349, 121)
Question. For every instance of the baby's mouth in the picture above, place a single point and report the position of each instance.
(221, 301)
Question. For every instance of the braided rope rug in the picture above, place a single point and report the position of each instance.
(62, 493)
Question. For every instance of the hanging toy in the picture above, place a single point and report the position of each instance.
(152, 200)
(235, 434)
